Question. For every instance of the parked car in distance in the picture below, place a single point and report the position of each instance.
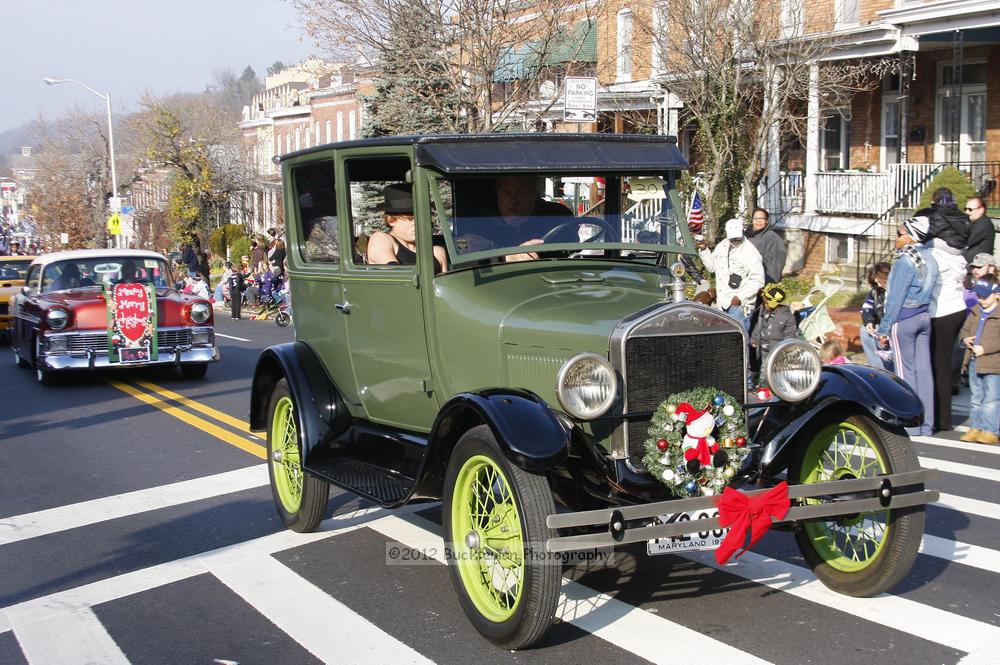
(12, 272)
(504, 356)
(106, 308)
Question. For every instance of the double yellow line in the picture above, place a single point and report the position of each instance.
(158, 397)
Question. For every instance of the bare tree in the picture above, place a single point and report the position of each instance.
(744, 71)
(478, 46)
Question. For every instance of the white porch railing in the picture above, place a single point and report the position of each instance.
(640, 217)
(851, 192)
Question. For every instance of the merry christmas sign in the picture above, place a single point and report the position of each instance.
(131, 323)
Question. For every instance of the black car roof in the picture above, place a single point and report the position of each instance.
(539, 152)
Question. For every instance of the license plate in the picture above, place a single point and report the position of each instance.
(692, 542)
(134, 354)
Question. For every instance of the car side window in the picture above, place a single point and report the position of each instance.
(31, 281)
(368, 179)
(317, 212)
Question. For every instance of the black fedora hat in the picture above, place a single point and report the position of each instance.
(397, 199)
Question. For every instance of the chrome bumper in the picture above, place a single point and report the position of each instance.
(95, 360)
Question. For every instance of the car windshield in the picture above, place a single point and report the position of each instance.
(14, 269)
(101, 271)
(611, 216)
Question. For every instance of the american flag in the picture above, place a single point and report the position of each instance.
(696, 218)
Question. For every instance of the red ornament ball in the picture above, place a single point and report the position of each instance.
(741, 441)
(763, 394)
(662, 444)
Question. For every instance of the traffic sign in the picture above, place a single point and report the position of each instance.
(114, 224)
(115, 203)
(128, 210)
(580, 100)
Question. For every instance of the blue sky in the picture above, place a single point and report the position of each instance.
(129, 47)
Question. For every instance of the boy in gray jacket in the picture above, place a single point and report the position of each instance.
(775, 323)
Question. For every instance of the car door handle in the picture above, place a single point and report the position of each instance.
(344, 307)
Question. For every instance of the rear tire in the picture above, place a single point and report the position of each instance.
(282, 319)
(870, 553)
(495, 533)
(300, 498)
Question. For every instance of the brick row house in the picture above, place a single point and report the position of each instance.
(310, 104)
(834, 191)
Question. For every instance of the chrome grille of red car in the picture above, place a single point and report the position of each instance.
(166, 339)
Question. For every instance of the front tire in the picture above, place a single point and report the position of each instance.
(866, 554)
(495, 533)
(282, 319)
(299, 498)
(19, 361)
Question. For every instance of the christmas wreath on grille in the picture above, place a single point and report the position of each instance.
(697, 441)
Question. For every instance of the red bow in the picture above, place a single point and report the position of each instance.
(749, 517)
(702, 451)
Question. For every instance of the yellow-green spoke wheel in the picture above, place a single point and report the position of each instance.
(299, 498)
(867, 553)
(495, 534)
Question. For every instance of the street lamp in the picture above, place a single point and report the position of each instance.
(111, 136)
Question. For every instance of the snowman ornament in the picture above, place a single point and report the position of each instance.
(699, 446)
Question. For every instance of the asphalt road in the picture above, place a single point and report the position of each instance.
(136, 526)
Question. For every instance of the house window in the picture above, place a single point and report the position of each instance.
(839, 248)
(340, 126)
(329, 131)
(660, 36)
(624, 49)
(890, 131)
(288, 142)
(836, 129)
(792, 17)
(298, 138)
(353, 125)
(961, 113)
(846, 14)
(309, 133)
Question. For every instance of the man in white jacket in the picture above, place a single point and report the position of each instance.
(739, 273)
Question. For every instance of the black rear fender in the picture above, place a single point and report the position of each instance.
(844, 390)
(528, 431)
(321, 410)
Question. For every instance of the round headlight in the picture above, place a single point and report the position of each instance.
(586, 386)
(200, 312)
(793, 369)
(57, 319)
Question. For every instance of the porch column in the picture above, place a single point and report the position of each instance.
(772, 151)
(812, 141)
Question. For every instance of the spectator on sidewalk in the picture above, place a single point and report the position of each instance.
(910, 290)
(774, 324)
(982, 233)
(871, 314)
(223, 282)
(981, 265)
(948, 312)
(946, 221)
(739, 272)
(981, 338)
(831, 353)
(769, 244)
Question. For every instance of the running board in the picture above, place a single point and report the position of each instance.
(881, 493)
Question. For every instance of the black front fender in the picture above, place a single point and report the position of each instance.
(843, 390)
(526, 428)
(321, 410)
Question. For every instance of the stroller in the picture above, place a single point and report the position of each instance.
(813, 319)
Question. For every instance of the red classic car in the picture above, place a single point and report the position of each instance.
(100, 308)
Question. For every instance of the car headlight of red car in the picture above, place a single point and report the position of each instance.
(200, 312)
(57, 319)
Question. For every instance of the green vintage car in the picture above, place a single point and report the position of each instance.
(528, 345)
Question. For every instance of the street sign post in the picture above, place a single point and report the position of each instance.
(580, 100)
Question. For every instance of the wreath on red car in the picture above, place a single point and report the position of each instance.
(697, 441)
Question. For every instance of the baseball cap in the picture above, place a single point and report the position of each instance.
(734, 229)
(983, 259)
(773, 294)
(985, 288)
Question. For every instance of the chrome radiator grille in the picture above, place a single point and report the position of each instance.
(166, 339)
(670, 348)
(657, 367)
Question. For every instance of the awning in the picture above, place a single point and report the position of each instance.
(576, 44)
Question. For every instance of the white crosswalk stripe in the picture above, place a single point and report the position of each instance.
(62, 628)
